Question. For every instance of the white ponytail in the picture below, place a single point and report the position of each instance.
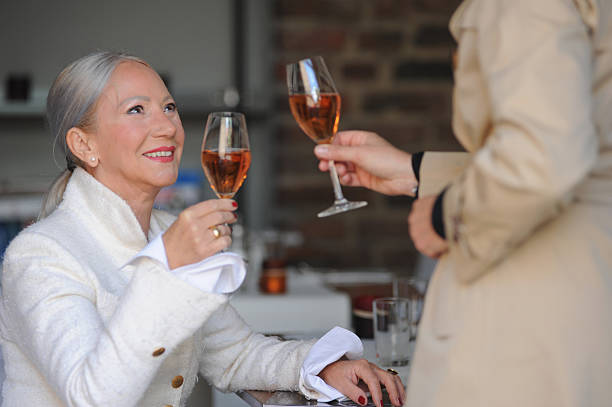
(55, 194)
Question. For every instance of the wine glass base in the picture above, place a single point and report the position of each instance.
(340, 207)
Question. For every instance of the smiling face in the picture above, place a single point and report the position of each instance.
(138, 135)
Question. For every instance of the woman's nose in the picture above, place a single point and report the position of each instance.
(164, 126)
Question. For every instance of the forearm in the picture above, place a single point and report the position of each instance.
(234, 357)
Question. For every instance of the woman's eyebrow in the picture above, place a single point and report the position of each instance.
(145, 98)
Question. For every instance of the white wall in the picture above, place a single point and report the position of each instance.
(189, 40)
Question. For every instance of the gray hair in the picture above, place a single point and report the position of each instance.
(72, 103)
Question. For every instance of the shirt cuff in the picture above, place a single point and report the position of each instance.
(221, 273)
(437, 217)
(336, 343)
(417, 158)
(156, 251)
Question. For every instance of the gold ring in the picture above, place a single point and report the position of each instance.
(216, 232)
(393, 372)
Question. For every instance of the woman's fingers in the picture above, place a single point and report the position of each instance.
(342, 375)
(425, 238)
(393, 384)
(353, 378)
(353, 392)
(402, 390)
(213, 205)
(366, 373)
(219, 244)
(200, 231)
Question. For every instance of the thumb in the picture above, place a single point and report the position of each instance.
(336, 153)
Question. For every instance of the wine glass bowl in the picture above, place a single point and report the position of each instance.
(319, 120)
(315, 104)
(226, 155)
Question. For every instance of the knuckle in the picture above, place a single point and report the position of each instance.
(363, 363)
(226, 241)
(185, 216)
(209, 205)
(218, 218)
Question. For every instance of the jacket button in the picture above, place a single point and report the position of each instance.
(158, 351)
(177, 381)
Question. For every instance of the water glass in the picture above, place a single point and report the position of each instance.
(414, 290)
(392, 318)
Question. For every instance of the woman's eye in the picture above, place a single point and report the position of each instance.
(135, 109)
(170, 107)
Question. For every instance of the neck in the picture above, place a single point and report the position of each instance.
(142, 208)
(140, 200)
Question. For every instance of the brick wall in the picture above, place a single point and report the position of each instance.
(391, 62)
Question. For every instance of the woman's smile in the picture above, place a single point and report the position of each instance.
(161, 154)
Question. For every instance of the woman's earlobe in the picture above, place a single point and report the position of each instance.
(80, 146)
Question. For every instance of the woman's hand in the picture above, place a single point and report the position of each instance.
(366, 159)
(191, 237)
(345, 375)
(424, 236)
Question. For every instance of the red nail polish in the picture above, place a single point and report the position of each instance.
(381, 403)
(235, 204)
(361, 400)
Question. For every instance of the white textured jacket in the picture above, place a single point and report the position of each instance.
(85, 325)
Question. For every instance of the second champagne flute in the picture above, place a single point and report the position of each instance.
(315, 105)
(226, 155)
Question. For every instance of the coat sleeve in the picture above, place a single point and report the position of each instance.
(536, 59)
(233, 357)
(438, 169)
(50, 309)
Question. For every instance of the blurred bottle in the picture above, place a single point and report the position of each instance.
(273, 278)
(267, 258)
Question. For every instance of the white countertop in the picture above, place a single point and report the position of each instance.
(308, 307)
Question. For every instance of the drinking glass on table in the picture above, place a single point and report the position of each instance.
(226, 155)
(315, 105)
(413, 289)
(392, 317)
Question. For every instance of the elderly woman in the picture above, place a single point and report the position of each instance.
(109, 302)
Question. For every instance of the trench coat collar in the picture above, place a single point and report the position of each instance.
(463, 17)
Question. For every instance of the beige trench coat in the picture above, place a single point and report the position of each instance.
(519, 312)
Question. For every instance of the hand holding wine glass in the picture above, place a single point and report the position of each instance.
(364, 159)
(191, 237)
(315, 105)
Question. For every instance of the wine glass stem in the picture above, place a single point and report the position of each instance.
(335, 182)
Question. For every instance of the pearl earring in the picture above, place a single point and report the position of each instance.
(93, 158)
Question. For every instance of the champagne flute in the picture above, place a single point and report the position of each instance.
(315, 105)
(226, 156)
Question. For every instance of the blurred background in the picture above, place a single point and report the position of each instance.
(391, 60)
